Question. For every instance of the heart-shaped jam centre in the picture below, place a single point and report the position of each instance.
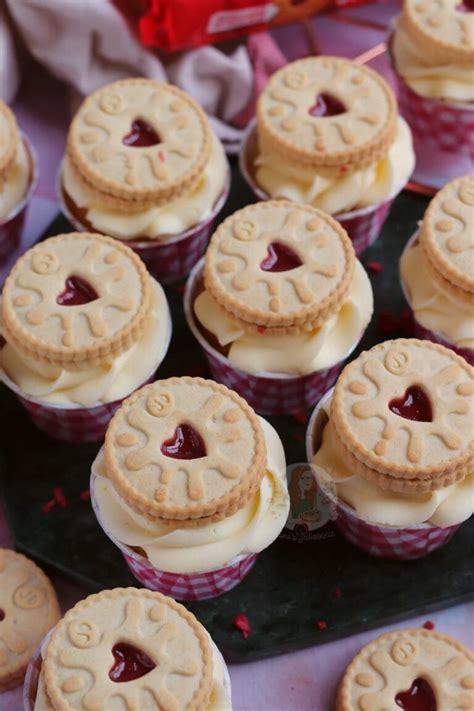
(465, 6)
(186, 443)
(419, 698)
(414, 405)
(141, 135)
(327, 105)
(280, 258)
(130, 663)
(76, 291)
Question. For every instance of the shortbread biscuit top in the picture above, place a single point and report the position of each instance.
(9, 138)
(441, 29)
(161, 164)
(185, 448)
(75, 299)
(404, 411)
(128, 649)
(447, 234)
(411, 668)
(279, 265)
(28, 609)
(327, 112)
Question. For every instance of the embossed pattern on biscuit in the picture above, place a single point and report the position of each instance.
(288, 108)
(142, 449)
(73, 292)
(79, 666)
(386, 670)
(443, 23)
(435, 430)
(277, 258)
(99, 138)
(447, 233)
(27, 608)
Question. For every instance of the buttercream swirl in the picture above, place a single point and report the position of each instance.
(348, 191)
(293, 354)
(14, 186)
(208, 547)
(107, 382)
(163, 221)
(451, 81)
(444, 507)
(435, 309)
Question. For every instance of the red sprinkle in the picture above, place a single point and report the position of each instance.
(241, 623)
(429, 625)
(375, 267)
(46, 508)
(85, 495)
(261, 329)
(321, 625)
(59, 497)
(338, 593)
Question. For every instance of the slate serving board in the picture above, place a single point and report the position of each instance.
(295, 584)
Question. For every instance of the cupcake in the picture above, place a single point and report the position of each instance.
(328, 134)
(83, 326)
(143, 165)
(17, 181)
(279, 304)
(191, 486)
(433, 53)
(391, 446)
(28, 609)
(437, 270)
(128, 649)
(410, 669)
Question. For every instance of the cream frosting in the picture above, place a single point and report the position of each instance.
(444, 507)
(381, 180)
(161, 222)
(434, 308)
(450, 81)
(208, 547)
(105, 383)
(219, 699)
(15, 186)
(293, 354)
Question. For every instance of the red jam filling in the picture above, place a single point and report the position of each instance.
(130, 663)
(2, 614)
(419, 698)
(327, 105)
(76, 291)
(280, 258)
(414, 405)
(141, 135)
(465, 6)
(186, 443)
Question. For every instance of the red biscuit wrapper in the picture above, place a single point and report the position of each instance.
(268, 393)
(11, 226)
(363, 225)
(423, 333)
(189, 586)
(381, 541)
(166, 260)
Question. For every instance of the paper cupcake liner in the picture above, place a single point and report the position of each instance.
(166, 260)
(382, 541)
(363, 225)
(192, 586)
(11, 226)
(30, 686)
(423, 333)
(437, 124)
(268, 393)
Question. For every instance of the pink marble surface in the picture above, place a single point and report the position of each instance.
(302, 681)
